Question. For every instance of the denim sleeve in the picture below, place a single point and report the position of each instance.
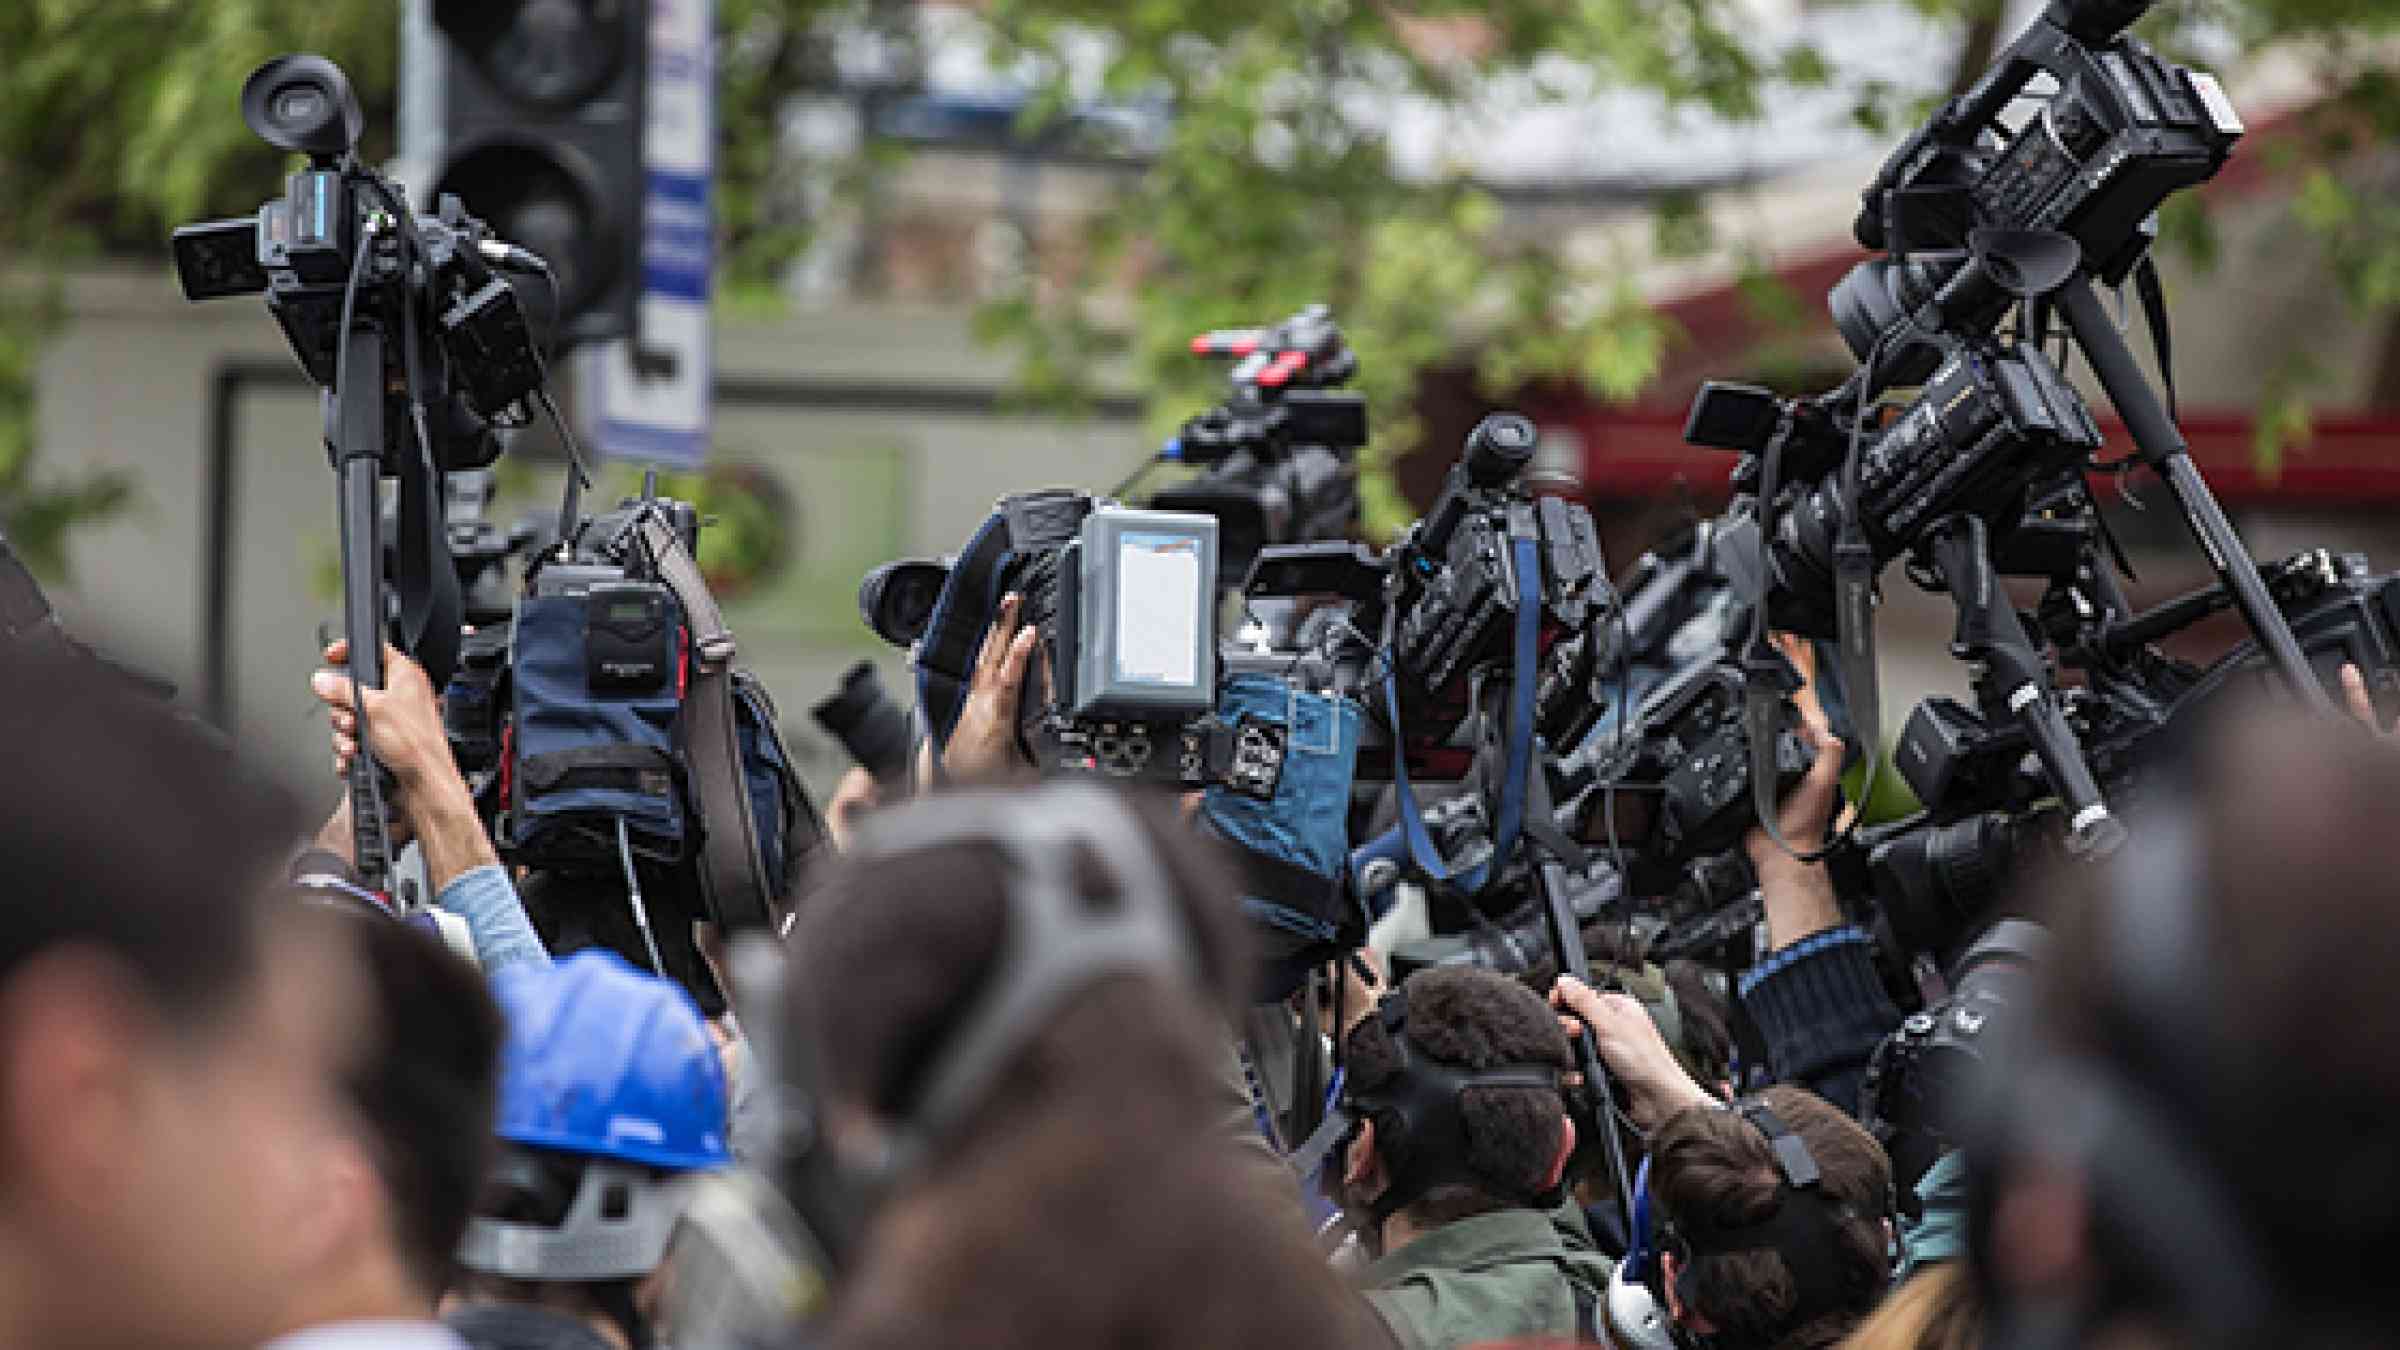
(487, 900)
(1821, 1009)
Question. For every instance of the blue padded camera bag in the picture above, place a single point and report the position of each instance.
(585, 758)
(1293, 847)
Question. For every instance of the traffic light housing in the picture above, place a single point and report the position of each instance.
(542, 121)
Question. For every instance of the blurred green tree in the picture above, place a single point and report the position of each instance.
(1273, 188)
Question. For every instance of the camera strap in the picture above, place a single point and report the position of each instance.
(733, 872)
(1524, 551)
(1767, 678)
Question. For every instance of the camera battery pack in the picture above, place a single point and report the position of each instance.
(629, 636)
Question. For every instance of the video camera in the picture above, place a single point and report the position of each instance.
(1979, 472)
(1278, 453)
(341, 245)
(1493, 585)
(405, 324)
(1916, 1094)
(1124, 601)
(607, 732)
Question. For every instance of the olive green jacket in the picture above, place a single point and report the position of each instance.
(1512, 1272)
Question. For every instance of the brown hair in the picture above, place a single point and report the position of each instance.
(1470, 1018)
(1711, 1168)
(1936, 1310)
(1101, 1197)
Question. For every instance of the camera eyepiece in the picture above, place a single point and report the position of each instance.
(1499, 449)
(303, 102)
(897, 599)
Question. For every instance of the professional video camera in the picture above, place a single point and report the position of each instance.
(1278, 452)
(1132, 666)
(1978, 473)
(1916, 1095)
(1494, 596)
(421, 348)
(610, 734)
(342, 247)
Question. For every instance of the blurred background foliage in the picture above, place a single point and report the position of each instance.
(1272, 188)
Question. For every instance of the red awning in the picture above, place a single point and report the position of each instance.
(2350, 460)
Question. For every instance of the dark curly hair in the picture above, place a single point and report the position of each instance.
(1473, 1019)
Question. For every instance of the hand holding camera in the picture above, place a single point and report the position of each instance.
(409, 739)
(984, 747)
(1656, 1083)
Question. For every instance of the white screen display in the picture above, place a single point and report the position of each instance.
(1158, 609)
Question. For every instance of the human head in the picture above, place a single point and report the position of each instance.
(1516, 1139)
(1103, 1136)
(169, 1032)
(420, 1089)
(611, 1095)
(1752, 1255)
(2195, 1148)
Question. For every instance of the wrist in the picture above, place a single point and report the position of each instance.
(1798, 904)
(419, 774)
(1662, 1100)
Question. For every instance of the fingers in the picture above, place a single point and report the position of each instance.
(337, 656)
(1827, 768)
(1576, 999)
(1012, 673)
(331, 687)
(1000, 637)
(2359, 701)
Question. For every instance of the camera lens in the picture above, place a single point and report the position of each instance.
(868, 724)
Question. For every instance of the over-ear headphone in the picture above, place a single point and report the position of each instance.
(1803, 1230)
(1426, 1096)
(771, 1252)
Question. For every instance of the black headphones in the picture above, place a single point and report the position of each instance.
(1426, 1096)
(2156, 1206)
(1804, 1228)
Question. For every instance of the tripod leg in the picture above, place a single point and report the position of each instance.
(2162, 447)
(358, 458)
(2013, 677)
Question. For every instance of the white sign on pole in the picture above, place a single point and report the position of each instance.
(656, 408)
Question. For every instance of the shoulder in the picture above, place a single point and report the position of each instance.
(1488, 1290)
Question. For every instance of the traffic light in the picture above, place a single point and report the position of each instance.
(542, 138)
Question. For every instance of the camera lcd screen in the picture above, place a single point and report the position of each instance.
(1145, 644)
(1158, 609)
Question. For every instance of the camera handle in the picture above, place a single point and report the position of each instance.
(358, 460)
(2010, 676)
(1566, 943)
(2161, 446)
